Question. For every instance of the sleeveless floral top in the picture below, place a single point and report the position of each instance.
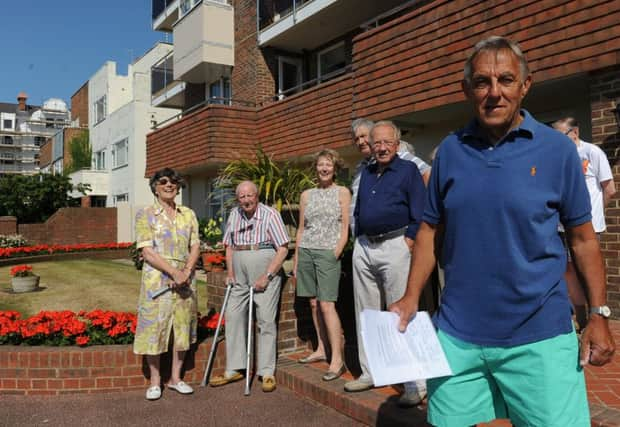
(322, 219)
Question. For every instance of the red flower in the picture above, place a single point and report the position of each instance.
(22, 271)
(82, 340)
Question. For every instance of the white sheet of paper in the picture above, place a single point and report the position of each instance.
(395, 357)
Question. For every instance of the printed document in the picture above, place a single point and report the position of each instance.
(395, 357)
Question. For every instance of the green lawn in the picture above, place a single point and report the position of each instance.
(76, 285)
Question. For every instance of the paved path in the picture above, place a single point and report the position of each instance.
(225, 406)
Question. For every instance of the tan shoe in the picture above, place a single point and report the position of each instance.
(223, 379)
(269, 383)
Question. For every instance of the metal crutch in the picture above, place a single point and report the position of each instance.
(250, 333)
(229, 285)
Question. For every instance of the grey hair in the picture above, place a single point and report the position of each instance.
(361, 122)
(495, 44)
(246, 183)
(386, 123)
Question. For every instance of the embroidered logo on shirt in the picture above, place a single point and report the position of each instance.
(533, 170)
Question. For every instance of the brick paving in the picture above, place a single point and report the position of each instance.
(378, 406)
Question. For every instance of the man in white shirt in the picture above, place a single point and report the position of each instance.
(600, 183)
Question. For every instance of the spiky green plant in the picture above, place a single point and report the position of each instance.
(279, 183)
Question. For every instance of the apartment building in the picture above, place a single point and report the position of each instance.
(119, 117)
(293, 74)
(24, 128)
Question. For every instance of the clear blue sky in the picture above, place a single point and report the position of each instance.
(51, 48)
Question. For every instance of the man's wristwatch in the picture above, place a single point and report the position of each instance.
(270, 276)
(603, 310)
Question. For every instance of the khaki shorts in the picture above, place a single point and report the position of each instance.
(318, 274)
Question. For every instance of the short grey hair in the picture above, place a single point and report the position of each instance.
(495, 44)
(246, 184)
(386, 123)
(361, 122)
(570, 121)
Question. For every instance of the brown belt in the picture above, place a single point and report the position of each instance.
(255, 247)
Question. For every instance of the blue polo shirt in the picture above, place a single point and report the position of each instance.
(392, 200)
(504, 261)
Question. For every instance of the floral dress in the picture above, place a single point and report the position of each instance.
(173, 311)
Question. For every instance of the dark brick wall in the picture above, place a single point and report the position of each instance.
(604, 97)
(252, 79)
(8, 225)
(79, 105)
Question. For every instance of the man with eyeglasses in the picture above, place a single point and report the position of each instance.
(360, 131)
(387, 215)
(600, 183)
(256, 243)
(498, 190)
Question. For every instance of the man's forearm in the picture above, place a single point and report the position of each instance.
(589, 262)
(278, 259)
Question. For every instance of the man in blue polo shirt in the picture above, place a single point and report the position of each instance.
(498, 189)
(388, 210)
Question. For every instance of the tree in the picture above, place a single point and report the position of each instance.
(81, 153)
(35, 198)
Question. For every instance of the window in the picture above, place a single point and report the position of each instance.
(289, 76)
(100, 109)
(7, 124)
(121, 198)
(99, 160)
(219, 91)
(331, 60)
(39, 140)
(7, 140)
(120, 153)
(97, 201)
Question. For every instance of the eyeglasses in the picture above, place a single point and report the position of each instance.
(386, 142)
(569, 131)
(165, 181)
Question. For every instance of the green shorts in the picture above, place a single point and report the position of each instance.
(318, 274)
(536, 384)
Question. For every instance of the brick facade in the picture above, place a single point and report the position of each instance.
(70, 226)
(415, 62)
(45, 153)
(604, 97)
(79, 106)
(252, 80)
(214, 134)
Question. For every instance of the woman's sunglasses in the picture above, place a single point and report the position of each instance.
(165, 181)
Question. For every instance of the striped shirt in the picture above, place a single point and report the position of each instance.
(265, 226)
(403, 153)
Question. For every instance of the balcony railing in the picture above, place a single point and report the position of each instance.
(162, 75)
(159, 6)
(271, 11)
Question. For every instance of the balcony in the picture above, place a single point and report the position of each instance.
(165, 91)
(204, 42)
(165, 14)
(97, 179)
(297, 25)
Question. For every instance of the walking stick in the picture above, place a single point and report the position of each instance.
(229, 285)
(250, 333)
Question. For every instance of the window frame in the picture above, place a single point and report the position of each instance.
(115, 151)
(321, 75)
(101, 101)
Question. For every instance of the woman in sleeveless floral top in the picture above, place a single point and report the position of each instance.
(167, 235)
(321, 238)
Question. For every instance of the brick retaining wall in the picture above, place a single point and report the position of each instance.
(97, 369)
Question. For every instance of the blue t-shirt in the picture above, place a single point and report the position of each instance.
(392, 200)
(500, 206)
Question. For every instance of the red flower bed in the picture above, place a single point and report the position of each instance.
(97, 327)
(50, 249)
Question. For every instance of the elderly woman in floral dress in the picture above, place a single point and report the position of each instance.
(167, 234)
